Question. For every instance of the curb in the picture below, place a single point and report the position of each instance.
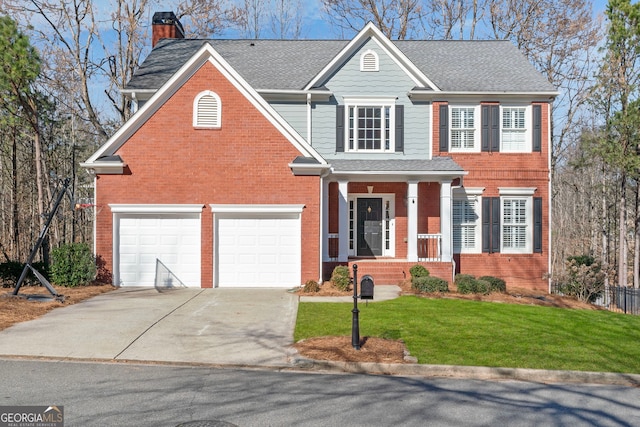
(470, 372)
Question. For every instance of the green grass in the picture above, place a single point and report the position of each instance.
(473, 333)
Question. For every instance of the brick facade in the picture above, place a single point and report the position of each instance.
(243, 162)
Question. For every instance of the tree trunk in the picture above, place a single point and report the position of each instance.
(636, 240)
(622, 227)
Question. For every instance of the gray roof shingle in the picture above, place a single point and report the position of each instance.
(436, 164)
(466, 66)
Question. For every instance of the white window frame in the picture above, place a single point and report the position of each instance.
(216, 121)
(372, 102)
(474, 196)
(364, 65)
(527, 130)
(475, 129)
(517, 194)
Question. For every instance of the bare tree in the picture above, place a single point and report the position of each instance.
(397, 19)
(286, 19)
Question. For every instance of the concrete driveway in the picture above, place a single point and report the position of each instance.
(241, 327)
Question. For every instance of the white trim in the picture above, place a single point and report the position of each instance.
(215, 208)
(468, 191)
(380, 102)
(197, 109)
(151, 208)
(528, 249)
(517, 191)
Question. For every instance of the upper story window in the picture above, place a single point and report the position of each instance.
(207, 110)
(515, 129)
(369, 61)
(464, 135)
(490, 127)
(370, 125)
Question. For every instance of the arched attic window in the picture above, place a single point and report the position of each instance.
(369, 61)
(207, 110)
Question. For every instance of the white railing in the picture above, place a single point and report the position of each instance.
(429, 247)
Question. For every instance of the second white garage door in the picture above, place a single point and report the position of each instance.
(257, 249)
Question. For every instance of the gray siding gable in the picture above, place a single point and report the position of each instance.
(390, 81)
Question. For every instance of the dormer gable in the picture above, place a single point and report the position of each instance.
(369, 59)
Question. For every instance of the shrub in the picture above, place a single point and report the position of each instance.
(73, 265)
(418, 271)
(495, 283)
(465, 283)
(340, 278)
(583, 278)
(311, 286)
(10, 272)
(429, 284)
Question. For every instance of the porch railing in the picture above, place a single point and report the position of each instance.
(334, 244)
(429, 247)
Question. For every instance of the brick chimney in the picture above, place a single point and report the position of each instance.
(165, 25)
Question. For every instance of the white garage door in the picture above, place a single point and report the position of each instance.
(258, 250)
(159, 249)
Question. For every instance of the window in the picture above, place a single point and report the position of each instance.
(207, 110)
(369, 61)
(370, 126)
(514, 129)
(463, 129)
(467, 233)
(517, 220)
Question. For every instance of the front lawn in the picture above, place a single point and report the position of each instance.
(473, 333)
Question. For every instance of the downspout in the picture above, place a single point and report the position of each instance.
(309, 118)
(549, 142)
(323, 176)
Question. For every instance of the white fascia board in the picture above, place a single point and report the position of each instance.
(151, 209)
(370, 30)
(243, 209)
(294, 95)
(105, 168)
(302, 169)
(206, 53)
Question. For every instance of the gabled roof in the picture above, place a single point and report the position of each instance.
(174, 82)
(292, 65)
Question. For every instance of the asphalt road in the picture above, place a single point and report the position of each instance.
(118, 394)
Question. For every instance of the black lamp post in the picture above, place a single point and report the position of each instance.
(355, 321)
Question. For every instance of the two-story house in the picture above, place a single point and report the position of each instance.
(269, 162)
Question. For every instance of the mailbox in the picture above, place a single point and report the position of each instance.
(366, 287)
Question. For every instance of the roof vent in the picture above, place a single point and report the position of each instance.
(369, 61)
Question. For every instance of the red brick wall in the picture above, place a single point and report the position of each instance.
(243, 162)
(491, 171)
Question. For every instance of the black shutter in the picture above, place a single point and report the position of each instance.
(495, 128)
(490, 128)
(340, 128)
(495, 224)
(444, 128)
(537, 128)
(537, 225)
(399, 128)
(486, 224)
(485, 134)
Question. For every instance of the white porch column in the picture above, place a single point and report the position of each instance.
(343, 221)
(446, 221)
(324, 224)
(412, 221)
